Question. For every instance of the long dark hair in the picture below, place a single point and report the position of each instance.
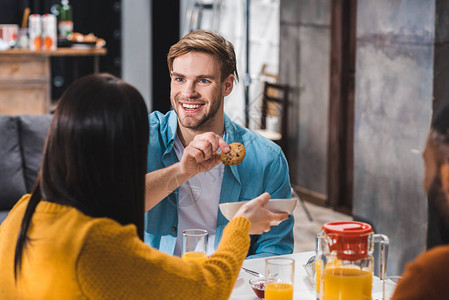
(95, 155)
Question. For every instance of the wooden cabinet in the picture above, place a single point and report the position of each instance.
(24, 84)
(25, 78)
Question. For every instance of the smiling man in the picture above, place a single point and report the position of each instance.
(186, 179)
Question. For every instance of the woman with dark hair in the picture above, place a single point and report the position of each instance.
(79, 234)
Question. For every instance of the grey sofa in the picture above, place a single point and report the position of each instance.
(21, 143)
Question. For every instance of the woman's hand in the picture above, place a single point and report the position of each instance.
(259, 217)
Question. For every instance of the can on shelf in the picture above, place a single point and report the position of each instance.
(35, 32)
(49, 32)
(8, 33)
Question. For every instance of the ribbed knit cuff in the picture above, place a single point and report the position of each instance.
(239, 223)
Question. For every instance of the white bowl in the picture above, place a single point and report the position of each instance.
(229, 209)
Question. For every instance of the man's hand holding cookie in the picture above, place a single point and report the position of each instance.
(201, 154)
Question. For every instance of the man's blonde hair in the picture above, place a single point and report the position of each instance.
(208, 42)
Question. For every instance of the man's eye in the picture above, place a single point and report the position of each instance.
(179, 79)
(204, 81)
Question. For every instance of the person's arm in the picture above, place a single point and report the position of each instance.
(425, 277)
(280, 239)
(160, 183)
(199, 156)
(115, 264)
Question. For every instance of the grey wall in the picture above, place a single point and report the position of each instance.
(136, 46)
(304, 64)
(394, 86)
(401, 74)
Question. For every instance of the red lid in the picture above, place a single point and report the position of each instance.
(349, 240)
(350, 228)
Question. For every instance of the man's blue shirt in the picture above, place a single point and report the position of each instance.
(264, 169)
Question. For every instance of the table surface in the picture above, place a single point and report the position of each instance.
(303, 289)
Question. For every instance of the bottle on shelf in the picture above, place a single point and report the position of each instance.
(35, 32)
(65, 22)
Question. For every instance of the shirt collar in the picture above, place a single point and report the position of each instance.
(172, 127)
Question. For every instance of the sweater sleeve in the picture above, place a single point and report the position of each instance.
(115, 263)
(16, 206)
(425, 277)
(413, 284)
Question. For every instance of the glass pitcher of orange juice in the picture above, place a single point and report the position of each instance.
(346, 262)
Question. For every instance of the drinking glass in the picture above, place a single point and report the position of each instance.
(390, 284)
(194, 245)
(279, 275)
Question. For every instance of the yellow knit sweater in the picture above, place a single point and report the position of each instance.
(73, 256)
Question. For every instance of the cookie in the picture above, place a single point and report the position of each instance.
(235, 156)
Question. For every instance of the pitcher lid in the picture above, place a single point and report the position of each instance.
(348, 228)
(350, 240)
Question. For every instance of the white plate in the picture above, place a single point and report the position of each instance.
(229, 209)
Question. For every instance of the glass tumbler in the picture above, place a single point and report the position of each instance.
(279, 275)
(194, 245)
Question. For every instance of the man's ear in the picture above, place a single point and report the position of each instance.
(444, 173)
(228, 85)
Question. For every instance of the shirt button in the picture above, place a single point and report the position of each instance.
(173, 228)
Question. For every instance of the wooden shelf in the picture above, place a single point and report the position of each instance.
(58, 52)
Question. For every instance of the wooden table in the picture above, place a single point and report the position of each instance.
(25, 78)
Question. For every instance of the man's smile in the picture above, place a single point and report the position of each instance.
(192, 107)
